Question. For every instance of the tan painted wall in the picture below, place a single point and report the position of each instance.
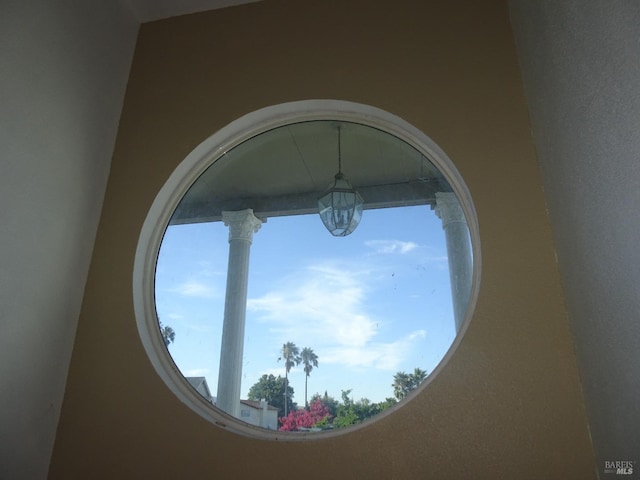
(508, 405)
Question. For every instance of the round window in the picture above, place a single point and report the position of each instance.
(305, 269)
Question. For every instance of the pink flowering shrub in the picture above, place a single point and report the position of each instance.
(303, 418)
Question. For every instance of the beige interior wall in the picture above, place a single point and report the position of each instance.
(508, 404)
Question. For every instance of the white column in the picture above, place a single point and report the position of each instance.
(456, 232)
(265, 406)
(242, 225)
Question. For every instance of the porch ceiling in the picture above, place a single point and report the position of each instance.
(283, 172)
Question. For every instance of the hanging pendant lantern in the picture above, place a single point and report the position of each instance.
(340, 207)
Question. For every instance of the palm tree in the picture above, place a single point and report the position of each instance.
(291, 356)
(403, 383)
(309, 360)
(418, 376)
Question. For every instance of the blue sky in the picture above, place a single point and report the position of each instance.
(370, 304)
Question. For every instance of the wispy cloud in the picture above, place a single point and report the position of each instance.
(324, 302)
(391, 246)
(208, 269)
(200, 327)
(382, 356)
(328, 304)
(196, 372)
(194, 288)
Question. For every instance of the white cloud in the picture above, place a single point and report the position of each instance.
(391, 246)
(193, 288)
(327, 305)
(200, 327)
(382, 356)
(322, 302)
(208, 269)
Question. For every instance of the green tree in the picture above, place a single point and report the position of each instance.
(346, 417)
(387, 403)
(346, 413)
(404, 383)
(349, 412)
(168, 335)
(309, 360)
(290, 354)
(272, 389)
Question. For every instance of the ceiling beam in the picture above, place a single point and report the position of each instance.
(377, 196)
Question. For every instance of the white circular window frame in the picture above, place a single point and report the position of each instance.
(188, 172)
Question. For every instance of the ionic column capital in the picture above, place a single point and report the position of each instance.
(242, 224)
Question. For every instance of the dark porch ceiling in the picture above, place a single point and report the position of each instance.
(283, 172)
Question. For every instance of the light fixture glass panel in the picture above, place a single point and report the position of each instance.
(340, 208)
